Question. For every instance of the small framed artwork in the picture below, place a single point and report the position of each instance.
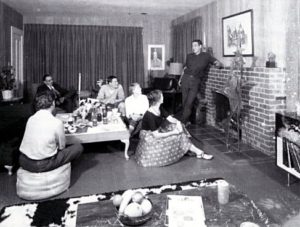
(237, 31)
(156, 57)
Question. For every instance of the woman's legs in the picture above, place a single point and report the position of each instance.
(200, 153)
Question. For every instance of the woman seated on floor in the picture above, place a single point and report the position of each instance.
(135, 106)
(163, 139)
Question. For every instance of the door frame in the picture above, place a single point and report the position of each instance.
(19, 71)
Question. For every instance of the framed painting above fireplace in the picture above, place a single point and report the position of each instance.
(237, 32)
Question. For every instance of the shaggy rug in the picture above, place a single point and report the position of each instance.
(63, 212)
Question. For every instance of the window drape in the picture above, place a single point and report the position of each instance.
(182, 36)
(94, 51)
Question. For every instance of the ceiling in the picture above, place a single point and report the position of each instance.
(105, 7)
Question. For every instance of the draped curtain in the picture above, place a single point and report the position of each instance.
(182, 36)
(94, 51)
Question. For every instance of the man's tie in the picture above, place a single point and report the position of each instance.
(55, 92)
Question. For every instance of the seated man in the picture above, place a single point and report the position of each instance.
(63, 98)
(112, 94)
(43, 147)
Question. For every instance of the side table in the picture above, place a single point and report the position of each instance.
(12, 101)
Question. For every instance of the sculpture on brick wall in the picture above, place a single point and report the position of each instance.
(233, 91)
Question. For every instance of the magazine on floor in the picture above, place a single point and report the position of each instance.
(185, 211)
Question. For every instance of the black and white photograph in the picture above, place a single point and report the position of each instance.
(156, 57)
(149, 113)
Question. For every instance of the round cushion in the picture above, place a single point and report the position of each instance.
(35, 186)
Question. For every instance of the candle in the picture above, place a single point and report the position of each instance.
(204, 39)
(79, 82)
(223, 191)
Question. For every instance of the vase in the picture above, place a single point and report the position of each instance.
(7, 94)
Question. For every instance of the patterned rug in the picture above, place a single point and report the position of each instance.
(63, 212)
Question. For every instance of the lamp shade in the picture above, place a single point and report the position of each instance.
(175, 68)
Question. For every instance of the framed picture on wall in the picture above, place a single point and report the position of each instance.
(156, 57)
(237, 30)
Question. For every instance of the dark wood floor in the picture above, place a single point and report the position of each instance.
(103, 168)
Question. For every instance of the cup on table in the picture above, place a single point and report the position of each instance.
(70, 120)
(223, 192)
(74, 117)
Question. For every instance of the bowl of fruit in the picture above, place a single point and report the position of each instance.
(133, 208)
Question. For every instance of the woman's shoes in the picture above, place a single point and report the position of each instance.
(205, 156)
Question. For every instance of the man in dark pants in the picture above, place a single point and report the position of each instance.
(43, 147)
(63, 98)
(194, 71)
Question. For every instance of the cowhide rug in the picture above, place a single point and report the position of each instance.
(62, 212)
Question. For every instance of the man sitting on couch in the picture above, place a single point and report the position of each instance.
(63, 98)
(43, 147)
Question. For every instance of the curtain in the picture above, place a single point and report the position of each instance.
(94, 51)
(182, 36)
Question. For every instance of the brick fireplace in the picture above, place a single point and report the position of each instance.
(262, 97)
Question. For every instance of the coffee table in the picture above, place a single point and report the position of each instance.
(239, 209)
(115, 130)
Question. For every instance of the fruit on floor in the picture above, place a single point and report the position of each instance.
(133, 210)
(146, 206)
(117, 200)
(126, 199)
(137, 197)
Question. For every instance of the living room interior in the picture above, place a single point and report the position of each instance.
(260, 157)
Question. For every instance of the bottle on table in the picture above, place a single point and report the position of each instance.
(94, 117)
(104, 116)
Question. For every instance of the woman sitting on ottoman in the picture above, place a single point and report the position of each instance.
(163, 139)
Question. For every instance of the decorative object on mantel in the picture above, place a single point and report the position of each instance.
(271, 60)
(7, 82)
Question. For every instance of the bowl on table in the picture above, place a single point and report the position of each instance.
(135, 221)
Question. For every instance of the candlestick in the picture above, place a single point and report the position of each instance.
(79, 82)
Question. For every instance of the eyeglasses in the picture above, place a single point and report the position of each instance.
(49, 80)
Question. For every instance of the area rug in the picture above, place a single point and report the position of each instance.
(63, 212)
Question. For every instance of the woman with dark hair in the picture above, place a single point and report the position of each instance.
(163, 139)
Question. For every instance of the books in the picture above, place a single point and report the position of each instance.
(185, 211)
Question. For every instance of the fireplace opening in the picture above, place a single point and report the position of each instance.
(222, 113)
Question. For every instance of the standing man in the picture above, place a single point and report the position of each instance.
(112, 94)
(63, 98)
(193, 73)
(43, 147)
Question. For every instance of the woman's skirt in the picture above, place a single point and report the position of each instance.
(164, 151)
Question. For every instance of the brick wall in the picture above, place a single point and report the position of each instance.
(262, 97)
